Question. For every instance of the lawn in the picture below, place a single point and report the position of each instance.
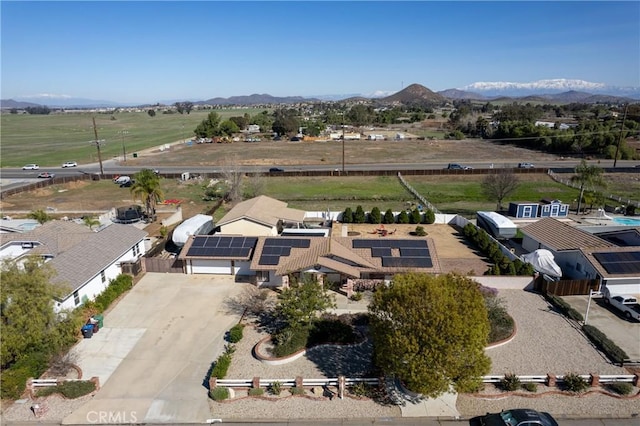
(50, 140)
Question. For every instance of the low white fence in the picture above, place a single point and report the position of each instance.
(605, 378)
(247, 383)
(557, 177)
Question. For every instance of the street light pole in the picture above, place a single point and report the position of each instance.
(342, 142)
(615, 157)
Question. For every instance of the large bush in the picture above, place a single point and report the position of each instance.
(235, 334)
(603, 343)
(115, 289)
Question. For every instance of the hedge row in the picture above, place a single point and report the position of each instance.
(502, 265)
(414, 216)
(613, 351)
(564, 307)
(71, 389)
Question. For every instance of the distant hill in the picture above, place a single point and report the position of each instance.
(10, 103)
(255, 99)
(460, 94)
(414, 94)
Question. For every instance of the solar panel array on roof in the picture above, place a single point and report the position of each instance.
(213, 246)
(617, 263)
(274, 248)
(413, 253)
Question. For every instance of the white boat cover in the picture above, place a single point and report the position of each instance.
(543, 262)
(196, 225)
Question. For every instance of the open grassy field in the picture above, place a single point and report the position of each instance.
(50, 140)
(451, 194)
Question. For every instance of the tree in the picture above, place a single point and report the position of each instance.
(147, 188)
(151, 112)
(403, 217)
(299, 305)
(27, 316)
(347, 215)
(375, 216)
(90, 221)
(285, 122)
(209, 127)
(40, 215)
(232, 178)
(359, 216)
(416, 216)
(499, 184)
(587, 177)
(228, 128)
(430, 332)
(429, 216)
(388, 217)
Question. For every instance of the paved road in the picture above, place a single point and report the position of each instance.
(162, 339)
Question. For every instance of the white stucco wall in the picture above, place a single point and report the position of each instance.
(248, 228)
(96, 285)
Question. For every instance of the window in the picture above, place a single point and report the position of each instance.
(103, 276)
(262, 275)
(578, 267)
(136, 250)
(76, 298)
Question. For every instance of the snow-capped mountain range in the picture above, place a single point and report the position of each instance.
(478, 90)
(551, 86)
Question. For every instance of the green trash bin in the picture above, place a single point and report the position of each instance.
(100, 319)
(135, 155)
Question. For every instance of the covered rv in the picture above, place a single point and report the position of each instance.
(497, 225)
(200, 224)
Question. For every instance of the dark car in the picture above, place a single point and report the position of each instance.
(275, 170)
(518, 417)
(456, 166)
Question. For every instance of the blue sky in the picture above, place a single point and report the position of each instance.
(148, 51)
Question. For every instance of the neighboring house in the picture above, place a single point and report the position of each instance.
(268, 259)
(612, 258)
(84, 261)
(259, 216)
(17, 225)
(544, 208)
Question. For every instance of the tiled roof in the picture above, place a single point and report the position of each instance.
(86, 259)
(55, 237)
(589, 255)
(263, 210)
(559, 236)
(335, 253)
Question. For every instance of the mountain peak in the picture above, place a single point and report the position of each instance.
(414, 93)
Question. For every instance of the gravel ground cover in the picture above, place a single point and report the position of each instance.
(545, 343)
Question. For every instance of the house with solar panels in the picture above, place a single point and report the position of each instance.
(612, 258)
(267, 260)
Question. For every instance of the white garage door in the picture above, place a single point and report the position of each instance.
(220, 267)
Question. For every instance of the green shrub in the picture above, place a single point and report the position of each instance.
(359, 215)
(415, 217)
(500, 322)
(331, 330)
(356, 296)
(235, 334)
(256, 392)
(219, 394)
(574, 383)
(403, 217)
(297, 391)
(621, 388)
(530, 387)
(13, 380)
(275, 388)
(362, 389)
(375, 216)
(116, 287)
(564, 307)
(289, 341)
(510, 382)
(75, 389)
(429, 217)
(388, 217)
(222, 364)
(420, 232)
(347, 215)
(603, 343)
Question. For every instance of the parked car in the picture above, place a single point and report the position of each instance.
(526, 166)
(275, 170)
(69, 164)
(518, 417)
(626, 304)
(46, 175)
(456, 166)
(121, 179)
(30, 167)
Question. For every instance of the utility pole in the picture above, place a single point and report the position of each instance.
(342, 142)
(124, 150)
(615, 158)
(97, 143)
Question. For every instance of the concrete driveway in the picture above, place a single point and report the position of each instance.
(155, 349)
(624, 333)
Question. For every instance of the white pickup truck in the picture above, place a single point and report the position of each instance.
(626, 304)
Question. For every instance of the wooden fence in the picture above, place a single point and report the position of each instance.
(565, 287)
(154, 264)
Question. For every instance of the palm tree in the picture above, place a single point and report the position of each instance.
(587, 177)
(90, 221)
(40, 215)
(147, 188)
